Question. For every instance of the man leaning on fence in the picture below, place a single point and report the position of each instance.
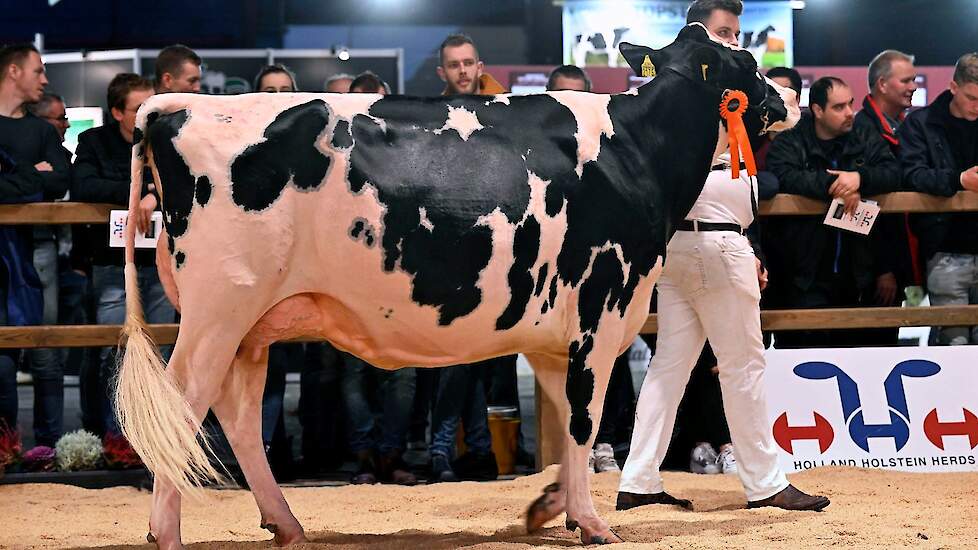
(35, 169)
(825, 157)
(892, 83)
(939, 155)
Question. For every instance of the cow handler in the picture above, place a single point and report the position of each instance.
(710, 288)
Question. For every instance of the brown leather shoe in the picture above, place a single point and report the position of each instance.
(366, 469)
(394, 470)
(791, 498)
(627, 501)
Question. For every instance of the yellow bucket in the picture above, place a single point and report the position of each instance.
(504, 428)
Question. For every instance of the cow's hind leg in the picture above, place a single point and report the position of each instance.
(201, 359)
(239, 410)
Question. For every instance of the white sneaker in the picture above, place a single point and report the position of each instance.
(703, 460)
(727, 461)
(604, 458)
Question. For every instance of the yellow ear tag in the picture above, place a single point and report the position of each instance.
(648, 69)
(705, 67)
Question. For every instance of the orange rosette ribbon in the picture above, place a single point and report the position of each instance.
(732, 108)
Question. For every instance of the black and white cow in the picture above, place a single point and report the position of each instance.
(415, 231)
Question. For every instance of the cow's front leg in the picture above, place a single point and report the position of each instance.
(572, 491)
(588, 372)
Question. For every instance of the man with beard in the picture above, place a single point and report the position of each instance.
(460, 391)
(825, 157)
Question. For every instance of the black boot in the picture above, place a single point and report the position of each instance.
(476, 467)
(441, 470)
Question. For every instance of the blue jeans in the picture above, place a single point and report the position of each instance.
(952, 279)
(110, 309)
(461, 394)
(47, 365)
(280, 356)
(8, 370)
(394, 392)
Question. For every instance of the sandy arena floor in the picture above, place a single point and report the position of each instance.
(870, 509)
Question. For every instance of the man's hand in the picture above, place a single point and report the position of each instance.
(145, 212)
(851, 202)
(886, 289)
(969, 179)
(844, 184)
(43, 166)
(761, 274)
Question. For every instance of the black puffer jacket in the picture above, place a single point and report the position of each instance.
(797, 159)
(929, 166)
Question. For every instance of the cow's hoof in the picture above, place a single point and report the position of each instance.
(545, 508)
(607, 538)
(270, 527)
(610, 537)
(150, 538)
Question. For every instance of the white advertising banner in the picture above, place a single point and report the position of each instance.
(901, 408)
(594, 28)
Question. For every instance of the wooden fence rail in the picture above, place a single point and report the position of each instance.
(81, 336)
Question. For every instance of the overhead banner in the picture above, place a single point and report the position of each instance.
(593, 29)
(911, 409)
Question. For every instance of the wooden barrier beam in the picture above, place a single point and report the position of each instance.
(781, 205)
(55, 213)
(793, 205)
(862, 317)
(76, 336)
(80, 336)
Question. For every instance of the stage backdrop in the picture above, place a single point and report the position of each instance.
(593, 29)
(911, 409)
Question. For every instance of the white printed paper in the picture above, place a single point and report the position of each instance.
(117, 230)
(861, 221)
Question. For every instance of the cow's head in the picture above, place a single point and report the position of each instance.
(700, 57)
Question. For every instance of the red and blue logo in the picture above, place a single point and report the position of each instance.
(898, 428)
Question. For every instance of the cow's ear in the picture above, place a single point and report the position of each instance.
(643, 60)
(694, 32)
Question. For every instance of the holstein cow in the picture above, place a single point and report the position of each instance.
(414, 231)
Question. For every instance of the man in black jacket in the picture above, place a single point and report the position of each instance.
(892, 83)
(39, 171)
(823, 158)
(939, 155)
(102, 174)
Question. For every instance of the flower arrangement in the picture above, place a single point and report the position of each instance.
(78, 450)
(38, 459)
(118, 453)
(75, 451)
(10, 447)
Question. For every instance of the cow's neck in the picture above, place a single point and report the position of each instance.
(677, 130)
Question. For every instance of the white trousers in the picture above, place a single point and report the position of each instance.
(708, 290)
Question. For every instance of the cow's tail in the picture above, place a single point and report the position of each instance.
(153, 413)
